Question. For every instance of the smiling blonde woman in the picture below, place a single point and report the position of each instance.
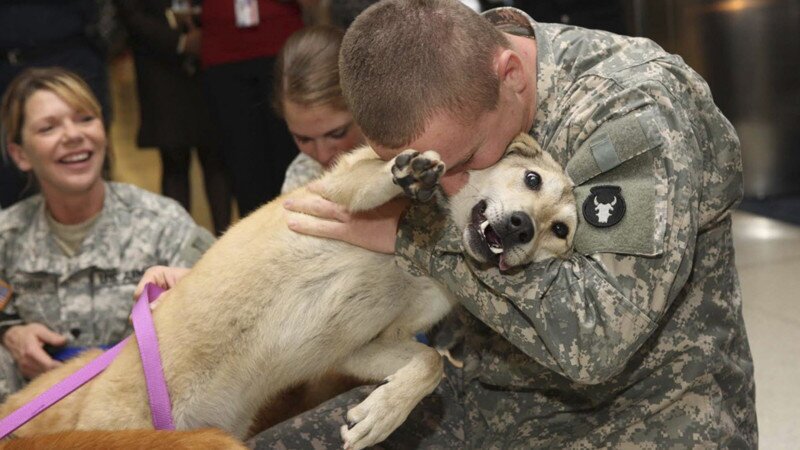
(72, 255)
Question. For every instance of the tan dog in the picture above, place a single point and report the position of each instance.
(266, 308)
(206, 439)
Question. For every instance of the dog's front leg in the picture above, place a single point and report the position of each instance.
(409, 371)
(362, 181)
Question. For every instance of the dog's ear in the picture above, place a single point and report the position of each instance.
(524, 145)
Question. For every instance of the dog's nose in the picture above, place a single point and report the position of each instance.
(518, 229)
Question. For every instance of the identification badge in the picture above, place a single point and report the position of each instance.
(181, 6)
(246, 13)
(6, 291)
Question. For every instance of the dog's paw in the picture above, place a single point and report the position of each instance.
(374, 419)
(417, 173)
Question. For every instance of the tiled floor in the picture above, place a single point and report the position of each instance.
(767, 254)
(768, 258)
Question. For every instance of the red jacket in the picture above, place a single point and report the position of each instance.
(223, 42)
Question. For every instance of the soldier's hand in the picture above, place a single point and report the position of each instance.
(162, 276)
(25, 343)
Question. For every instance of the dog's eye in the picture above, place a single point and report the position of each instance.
(533, 180)
(560, 229)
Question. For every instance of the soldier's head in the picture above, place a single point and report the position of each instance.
(52, 128)
(309, 97)
(433, 74)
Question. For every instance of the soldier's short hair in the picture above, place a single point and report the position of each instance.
(402, 61)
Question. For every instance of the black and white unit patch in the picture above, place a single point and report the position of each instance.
(604, 207)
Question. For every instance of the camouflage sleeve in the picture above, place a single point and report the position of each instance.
(183, 242)
(586, 316)
(8, 314)
(300, 172)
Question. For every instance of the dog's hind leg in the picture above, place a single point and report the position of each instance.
(362, 181)
(409, 371)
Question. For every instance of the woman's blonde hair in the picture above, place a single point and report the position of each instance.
(65, 84)
(68, 86)
(307, 69)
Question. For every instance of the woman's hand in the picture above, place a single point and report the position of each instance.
(26, 342)
(374, 230)
(162, 276)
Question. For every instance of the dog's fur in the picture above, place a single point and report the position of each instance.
(206, 439)
(266, 308)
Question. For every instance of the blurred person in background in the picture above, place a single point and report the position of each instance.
(49, 33)
(173, 109)
(70, 257)
(241, 39)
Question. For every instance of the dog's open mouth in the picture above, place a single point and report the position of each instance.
(489, 244)
(481, 223)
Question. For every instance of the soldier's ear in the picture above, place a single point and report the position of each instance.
(524, 145)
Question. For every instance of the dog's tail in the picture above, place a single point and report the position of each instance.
(212, 439)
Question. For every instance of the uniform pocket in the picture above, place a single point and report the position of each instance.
(36, 298)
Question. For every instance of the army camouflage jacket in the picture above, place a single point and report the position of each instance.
(90, 295)
(637, 339)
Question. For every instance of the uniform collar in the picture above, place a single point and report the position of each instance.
(41, 253)
(101, 247)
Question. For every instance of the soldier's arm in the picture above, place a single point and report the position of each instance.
(586, 316)
(182, 242)
(8, 314)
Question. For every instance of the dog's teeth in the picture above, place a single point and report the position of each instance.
(496, 250)
(484, 224)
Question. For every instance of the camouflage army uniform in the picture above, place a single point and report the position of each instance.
(637, 340)
(90, 295)
(300, 172)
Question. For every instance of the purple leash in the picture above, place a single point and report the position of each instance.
(145, 331)
(160, 406)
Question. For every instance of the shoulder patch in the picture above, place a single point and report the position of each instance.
(6, 291)
(611, 145)
(604, 207)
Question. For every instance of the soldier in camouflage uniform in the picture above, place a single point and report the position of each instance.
(76, 280)
(637, 340)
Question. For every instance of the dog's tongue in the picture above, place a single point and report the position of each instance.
(502, 263)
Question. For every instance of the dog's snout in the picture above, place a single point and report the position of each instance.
(518, 229)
